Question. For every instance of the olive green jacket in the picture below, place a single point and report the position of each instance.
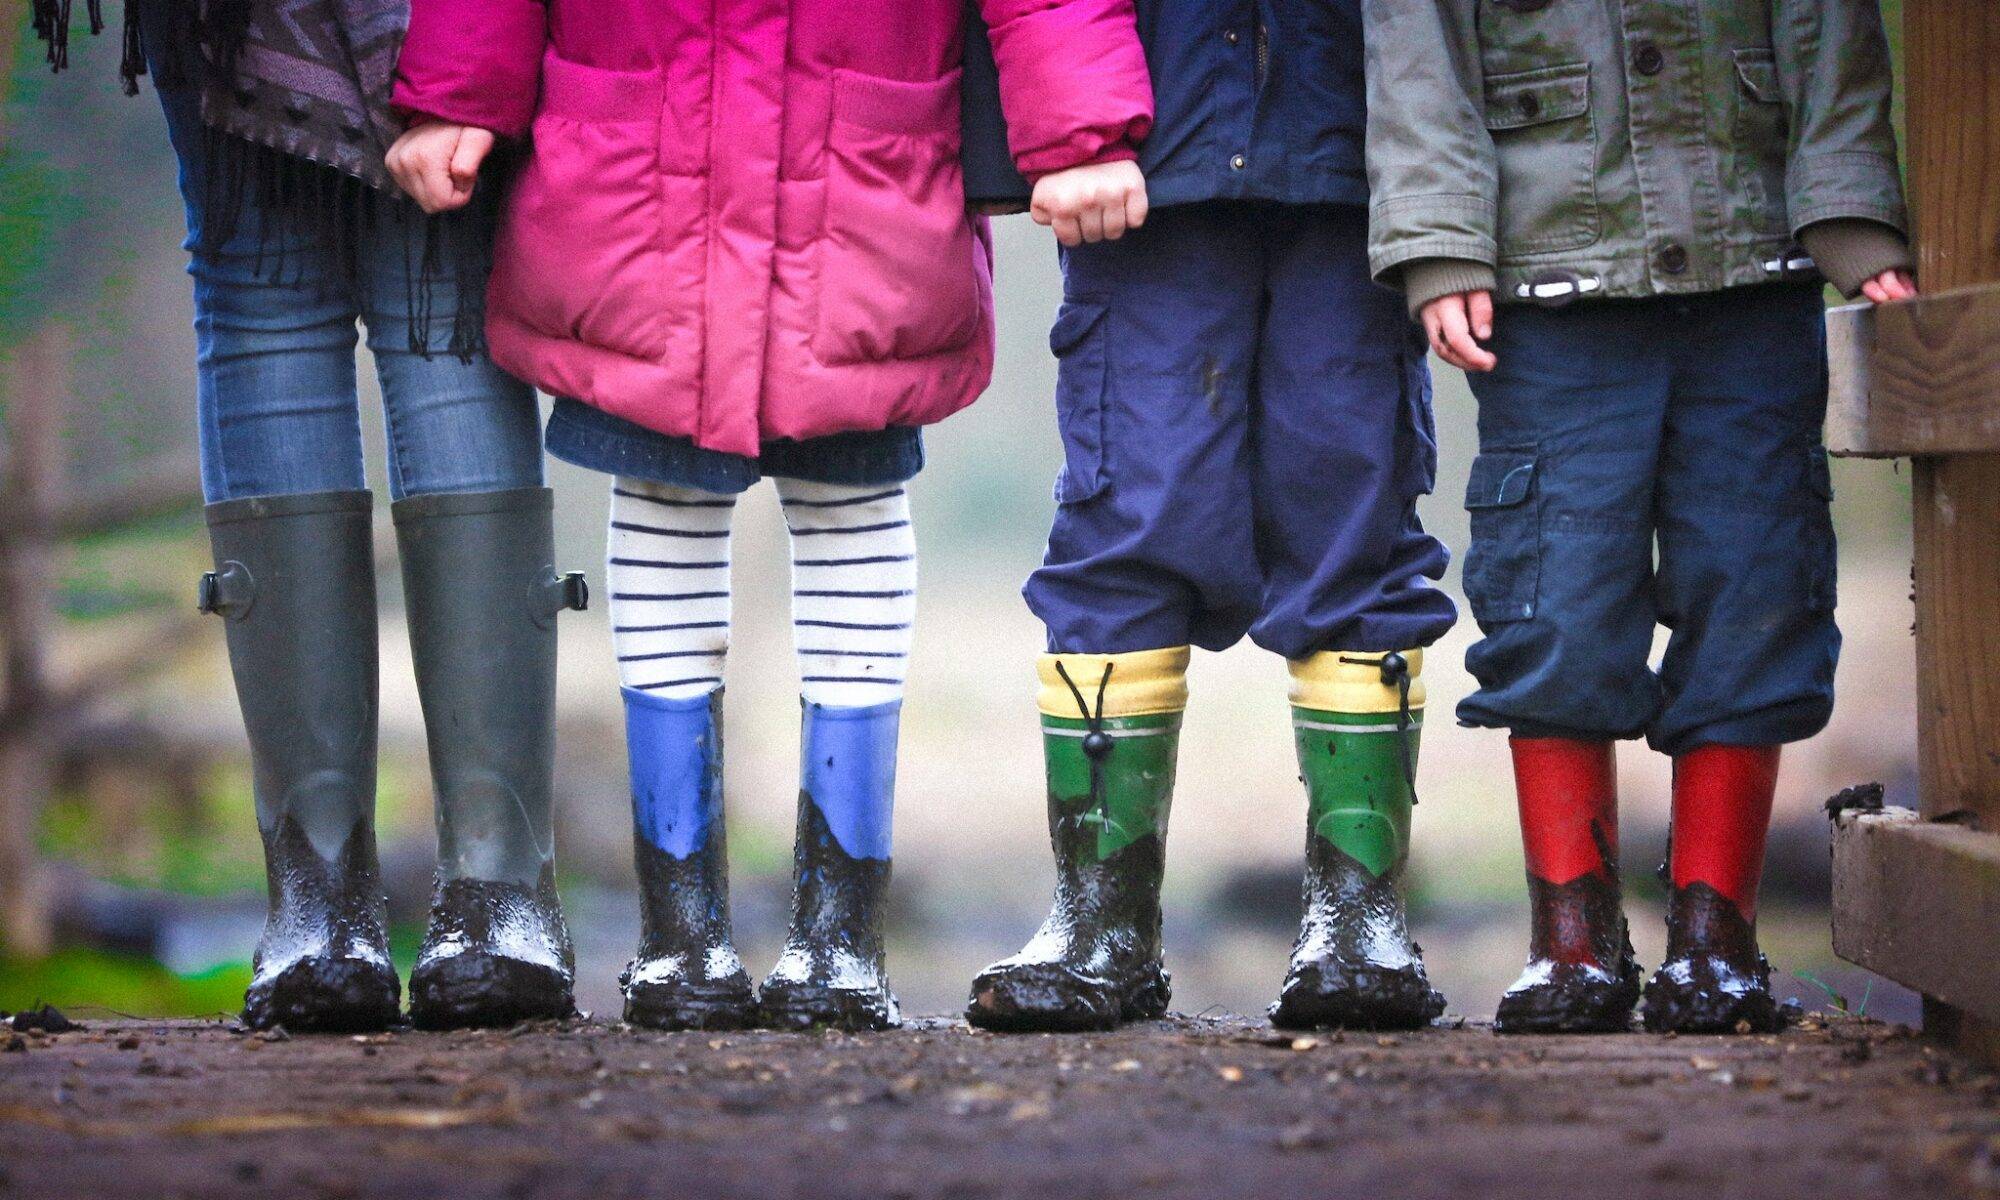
(1623, 147)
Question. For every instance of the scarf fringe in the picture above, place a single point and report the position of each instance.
(300, 207)
(290, 207)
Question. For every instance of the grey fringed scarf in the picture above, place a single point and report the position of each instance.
(295, 99)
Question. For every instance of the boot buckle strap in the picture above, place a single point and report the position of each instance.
(229, 590)
(558, 592)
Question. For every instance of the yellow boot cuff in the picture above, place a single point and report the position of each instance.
(1141, 683)
(1348, 681)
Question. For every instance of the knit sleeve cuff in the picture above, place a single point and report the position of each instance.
(1851, 251)
(1425, 279)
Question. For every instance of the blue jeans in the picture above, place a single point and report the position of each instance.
(1246, 426)
(1612, 427)
(277, 394)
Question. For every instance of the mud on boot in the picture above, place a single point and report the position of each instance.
(294, 582)
(1095, 962)
(833, 970)
(687, 974)
(483, 598)
(1357, 719)
(1354, 965)
(1581, 975)
(1110, 737)
(323, 963)
(495, 954)
(1714, 979)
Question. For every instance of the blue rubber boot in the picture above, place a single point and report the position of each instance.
(687, 974)
(832, 971)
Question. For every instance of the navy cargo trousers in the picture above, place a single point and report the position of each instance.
(1615, 428)
(1246, 427)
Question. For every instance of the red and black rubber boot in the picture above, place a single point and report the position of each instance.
(1715, 980)
(1581, 975)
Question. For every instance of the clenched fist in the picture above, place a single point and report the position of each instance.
(1090, 204)
(438, 163)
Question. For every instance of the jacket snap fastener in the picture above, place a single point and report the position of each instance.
(1647, 59)
(1673, 258)
(1231, 36)
(1237, 162)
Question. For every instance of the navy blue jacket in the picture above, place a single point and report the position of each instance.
(1254, 100)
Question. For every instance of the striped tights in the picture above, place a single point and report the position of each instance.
(854, 586)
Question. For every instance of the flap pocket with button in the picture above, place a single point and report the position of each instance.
(1532, 97)
(1081, 377)
(1503, 568)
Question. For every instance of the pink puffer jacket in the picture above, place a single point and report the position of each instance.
(744, 219)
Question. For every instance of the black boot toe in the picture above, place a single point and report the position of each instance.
(1328, 994)
(800, 1005)
(481, 989)
(324, 994)
(677, 1003)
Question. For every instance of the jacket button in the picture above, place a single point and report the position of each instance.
(1673, 258)
(1530, 106)
(1237, 162)
(1647, 59)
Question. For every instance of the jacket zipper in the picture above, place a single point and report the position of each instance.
(1263, 44)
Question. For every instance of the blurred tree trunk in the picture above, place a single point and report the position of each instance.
(33, 385)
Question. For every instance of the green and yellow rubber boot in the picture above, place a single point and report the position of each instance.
(1110, 733)
(1357, 719)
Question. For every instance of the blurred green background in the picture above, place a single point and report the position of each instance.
(129, 867)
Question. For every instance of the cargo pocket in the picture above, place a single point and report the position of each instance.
(1503, 568)
(581, 253)
(1081, 377)
(899, 260)
(1823, 588)
(1546, 145)
(1760, 140)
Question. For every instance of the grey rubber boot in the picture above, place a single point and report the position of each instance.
(294, 581)
(483, 595)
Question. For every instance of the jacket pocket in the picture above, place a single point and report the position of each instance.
(1759, 140)
(1546, 145)
(582, 253)
(1503, 567)
(900, 268)
(1082, 375)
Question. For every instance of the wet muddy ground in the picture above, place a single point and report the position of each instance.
(1196, 1108)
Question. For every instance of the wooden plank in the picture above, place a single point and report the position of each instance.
(1919, 902)
(1921, 377)
(1954, 151)
(1850, 345)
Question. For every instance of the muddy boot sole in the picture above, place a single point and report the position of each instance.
(325, 995)
(478, 990)
(1675, 1007)
(1593, 1007)
(1050, 998)
(798, 1007)
(674, 1006)
(1330, 995)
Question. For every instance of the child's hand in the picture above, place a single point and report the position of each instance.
(1453, 322)
(437, 163)
(1892, 284)
(1092, 203)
